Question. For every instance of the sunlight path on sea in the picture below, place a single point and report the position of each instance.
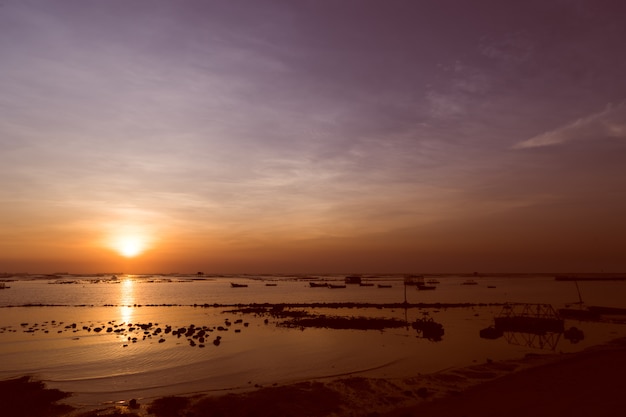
(127, 299)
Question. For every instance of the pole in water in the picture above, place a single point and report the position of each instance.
(405, 292)
(580, 298)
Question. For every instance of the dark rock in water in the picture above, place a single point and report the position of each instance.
(97, 329)
(133, 403)
(491, 332)
(574, 335)
(423, 392)
(161, 340)
(216, 342)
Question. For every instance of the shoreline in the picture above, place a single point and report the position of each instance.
(584, 380)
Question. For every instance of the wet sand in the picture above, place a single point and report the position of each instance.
(580, 384)
(589, 383)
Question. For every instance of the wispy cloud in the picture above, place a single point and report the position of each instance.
(609, 123)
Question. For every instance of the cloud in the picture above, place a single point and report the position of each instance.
(609, 123)
(513, 48)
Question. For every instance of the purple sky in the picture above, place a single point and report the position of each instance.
(286, 136)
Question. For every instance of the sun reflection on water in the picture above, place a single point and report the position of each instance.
(127, 299)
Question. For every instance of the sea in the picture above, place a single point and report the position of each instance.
(109, 338)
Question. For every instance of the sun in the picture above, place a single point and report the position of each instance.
(130, 246)
(129, 236)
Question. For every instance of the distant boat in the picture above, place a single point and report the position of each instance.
(419, 282)
(353, 279)
(234, 285)
(469, 282)
(270, 285)
(423, 287)
(366, 284)
(318, 284)
(413, 279)
(384, 285)
(334, 286)
(3, 286)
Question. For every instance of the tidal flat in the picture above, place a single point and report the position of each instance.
(139, 341)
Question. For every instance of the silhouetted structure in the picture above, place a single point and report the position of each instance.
(429, 329)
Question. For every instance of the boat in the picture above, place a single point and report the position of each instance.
(423, 287)
(235, 285)
(608, 310)
(366, 284)
(579, 314)
(270, 285)
(353, 279)
(318, 284)
(420, 284)
(384, 285)
(3, 286)
(413, 279)
(469, 282)
(333, 286)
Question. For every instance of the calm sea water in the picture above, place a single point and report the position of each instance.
(48, 329)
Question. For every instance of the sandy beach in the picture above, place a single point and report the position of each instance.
(580, 384)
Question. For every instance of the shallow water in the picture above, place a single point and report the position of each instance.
(107, 366)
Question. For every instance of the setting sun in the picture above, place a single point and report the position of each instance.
(128, 235)
(130, 246)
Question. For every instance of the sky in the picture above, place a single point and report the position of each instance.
(312, 136)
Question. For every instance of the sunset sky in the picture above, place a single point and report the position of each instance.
(312, 136)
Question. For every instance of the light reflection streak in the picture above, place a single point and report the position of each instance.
(127, 299)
